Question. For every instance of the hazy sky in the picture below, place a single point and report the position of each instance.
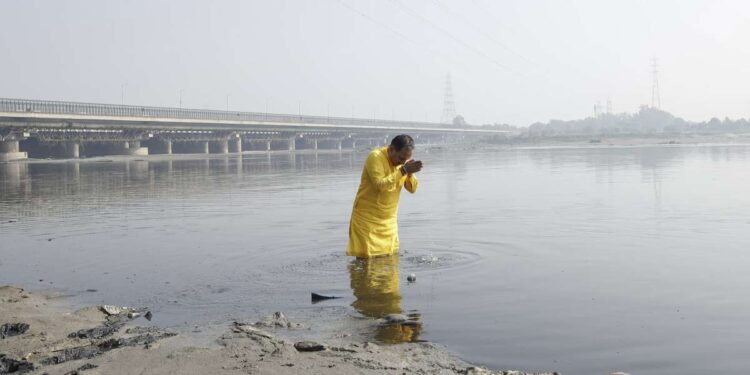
(515, 62)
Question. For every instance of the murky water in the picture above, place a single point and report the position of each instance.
(582, 260)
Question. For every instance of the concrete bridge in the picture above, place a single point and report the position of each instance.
(41, 129)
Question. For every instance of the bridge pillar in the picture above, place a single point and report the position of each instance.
(72, 150)
(134, 148)
(338, 145)
(220, 147)
(9, 150)
(315, 144)
(354, 144)
(203, 147)
(268, 145)
(292, 143)
(167, 147)
(236, 145)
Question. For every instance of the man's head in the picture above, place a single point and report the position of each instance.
(400, 149)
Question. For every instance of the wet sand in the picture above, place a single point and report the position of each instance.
(261, 347)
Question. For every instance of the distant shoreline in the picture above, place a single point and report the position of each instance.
(626, 140)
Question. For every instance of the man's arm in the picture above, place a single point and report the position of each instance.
(411, 167)
(382, 179)
(411, 183)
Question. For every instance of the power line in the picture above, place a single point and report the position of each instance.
(481, 31)
(399, 34)
(482, 7)
(456, 39)
(487, 11)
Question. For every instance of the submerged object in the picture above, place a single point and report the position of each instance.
(395, 318)
(315, 297)
(411, 278)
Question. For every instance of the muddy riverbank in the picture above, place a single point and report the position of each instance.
(43, 334)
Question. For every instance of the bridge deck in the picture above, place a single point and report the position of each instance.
(20, 112)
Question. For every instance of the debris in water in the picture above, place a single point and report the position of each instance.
(315, 297)
(395, 318)
(115, 310)
(411, 278)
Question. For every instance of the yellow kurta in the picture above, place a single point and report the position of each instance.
(373, 229)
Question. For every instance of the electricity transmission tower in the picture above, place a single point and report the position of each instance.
(449, 106)
(655, 96)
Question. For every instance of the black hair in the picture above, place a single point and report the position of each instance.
(401, 141)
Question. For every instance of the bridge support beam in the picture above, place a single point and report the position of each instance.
(292, 143)
(134, 148)
(315, 144)
(219, 147)
(71, 150)
(160, 146)
(268, 145)
(235, 145)
(338, 144)
(203, 147)
(9, 150)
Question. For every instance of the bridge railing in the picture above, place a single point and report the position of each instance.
(93, 109)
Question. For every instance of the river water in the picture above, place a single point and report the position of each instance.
(581, 260)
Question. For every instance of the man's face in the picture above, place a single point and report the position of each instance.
(399, 157)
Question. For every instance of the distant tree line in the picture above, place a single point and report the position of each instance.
(647, 121)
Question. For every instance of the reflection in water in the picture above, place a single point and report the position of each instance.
(13, 178)
(60, 189)
(136, 169)
(375, 285)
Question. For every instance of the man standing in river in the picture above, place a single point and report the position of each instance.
(373, 228)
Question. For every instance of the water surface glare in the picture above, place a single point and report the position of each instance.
(579, 260)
